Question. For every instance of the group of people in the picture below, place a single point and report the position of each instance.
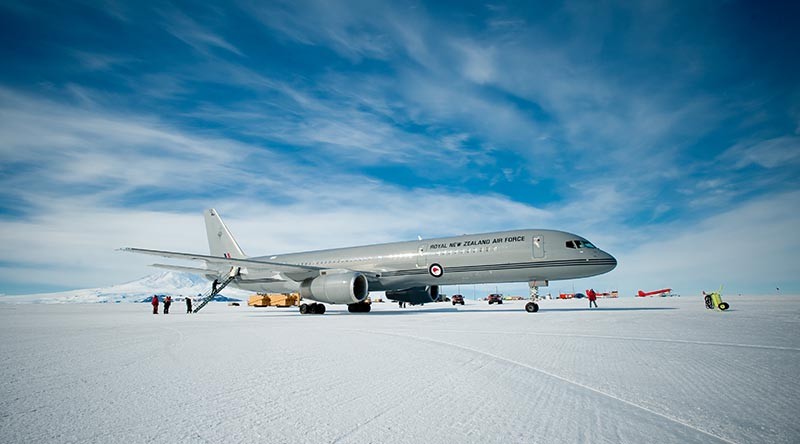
(168, 302)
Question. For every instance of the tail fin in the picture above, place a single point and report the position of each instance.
(220, 240)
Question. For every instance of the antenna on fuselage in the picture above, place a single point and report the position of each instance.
(419, 237)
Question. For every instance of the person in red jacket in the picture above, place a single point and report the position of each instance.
(155, 304)
(592, 296)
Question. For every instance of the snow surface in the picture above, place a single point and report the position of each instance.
(660, 370)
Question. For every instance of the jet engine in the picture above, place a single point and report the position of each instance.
(416, 295)
(336, 288)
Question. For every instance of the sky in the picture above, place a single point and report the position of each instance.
(667, 133)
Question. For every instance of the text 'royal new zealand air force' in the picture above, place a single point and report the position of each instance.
(472, 242)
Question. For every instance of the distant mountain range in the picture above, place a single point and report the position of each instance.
(170, 283)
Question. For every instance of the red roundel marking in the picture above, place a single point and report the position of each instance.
(436, 270)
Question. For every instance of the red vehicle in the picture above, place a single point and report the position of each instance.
(457, 299)
(495, 298)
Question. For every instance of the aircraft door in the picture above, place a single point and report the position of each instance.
(538, 246)
(422, 258)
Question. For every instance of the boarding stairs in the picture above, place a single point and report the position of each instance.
(209, 295)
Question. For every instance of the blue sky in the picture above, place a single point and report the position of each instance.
(667, 133)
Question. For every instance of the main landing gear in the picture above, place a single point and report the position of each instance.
(531, 307)
(314, 308)
(361, 307)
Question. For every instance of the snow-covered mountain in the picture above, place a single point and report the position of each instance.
(171, 283)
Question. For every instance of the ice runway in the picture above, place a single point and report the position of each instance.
(635, 370)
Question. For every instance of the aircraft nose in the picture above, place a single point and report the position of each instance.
(612, 262)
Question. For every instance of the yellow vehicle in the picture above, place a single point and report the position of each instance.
(714, 300)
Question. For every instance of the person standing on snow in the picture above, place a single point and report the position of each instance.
(592, 296)
(167, 303)
(188, 305)
(154, 301)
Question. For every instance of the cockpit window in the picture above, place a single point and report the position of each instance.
(579, 244)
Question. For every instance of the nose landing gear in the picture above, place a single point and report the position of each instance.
(531, 307)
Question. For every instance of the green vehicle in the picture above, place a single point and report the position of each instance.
(714, 300)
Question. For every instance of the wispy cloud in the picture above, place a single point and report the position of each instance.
(193, 34)
(354, 30)
(101, 62)
(778, 152)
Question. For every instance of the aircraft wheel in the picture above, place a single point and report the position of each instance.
(359, 307)
(724, 306)
(709, 304)
(304, 308)
(500, 301)
(319, 309)
(531, 307)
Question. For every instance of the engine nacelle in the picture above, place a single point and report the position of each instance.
(336, 288)
(416, 295)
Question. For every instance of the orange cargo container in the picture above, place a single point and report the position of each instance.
(274, 300)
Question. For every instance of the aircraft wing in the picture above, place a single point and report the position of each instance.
(195, 270)
(292, 271)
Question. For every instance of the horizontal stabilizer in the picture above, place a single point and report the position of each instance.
(194, 270)
(293, 271)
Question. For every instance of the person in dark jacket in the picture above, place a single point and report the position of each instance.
(592, 296)
(188, 305)
(167, 303)
(154, 301)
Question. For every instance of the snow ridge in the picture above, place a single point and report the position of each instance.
(173, 283)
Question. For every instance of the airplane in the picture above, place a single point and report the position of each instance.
(661, 292)
(409, 271)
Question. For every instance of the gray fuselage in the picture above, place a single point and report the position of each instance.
(505, 256)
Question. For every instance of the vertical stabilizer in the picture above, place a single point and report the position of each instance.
(220, 240)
